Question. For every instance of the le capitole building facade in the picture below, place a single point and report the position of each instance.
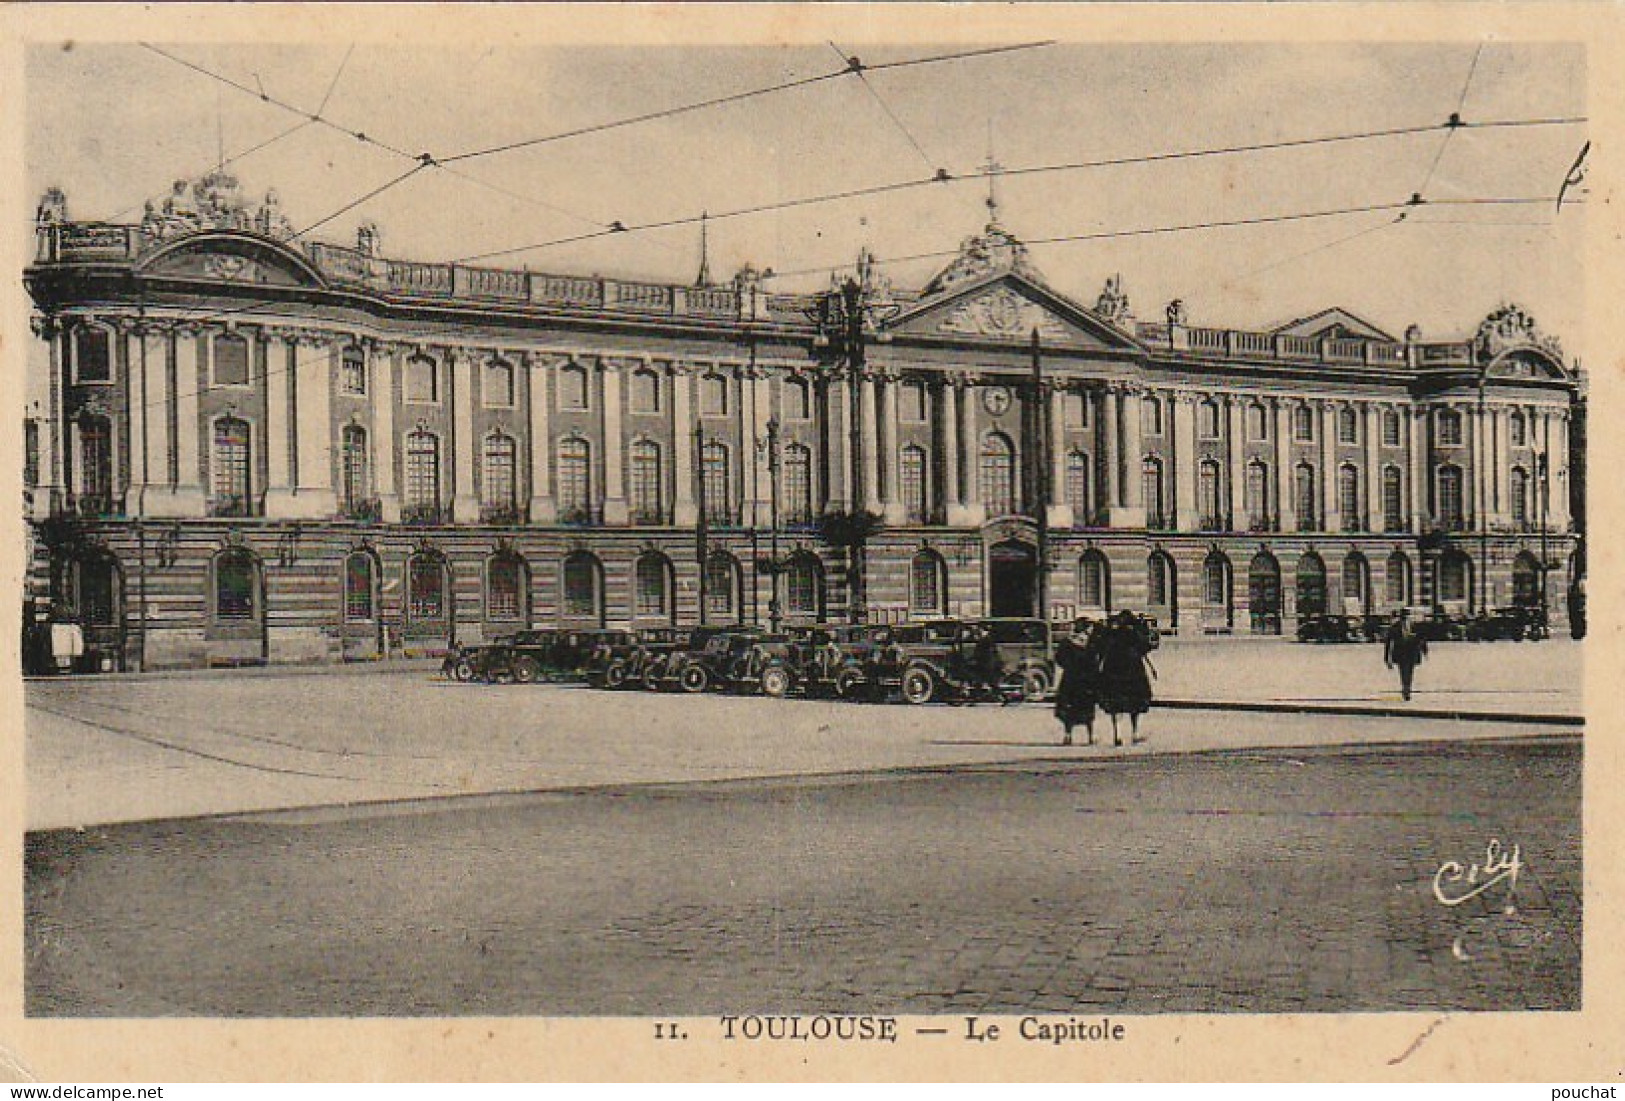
(243, 447)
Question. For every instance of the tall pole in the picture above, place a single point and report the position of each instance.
(774, 608)
(1481, 476)
(1040, 466)
(702, 553)
(1542, 469)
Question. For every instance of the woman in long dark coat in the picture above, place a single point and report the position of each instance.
(1125, 683)
(1078, 659)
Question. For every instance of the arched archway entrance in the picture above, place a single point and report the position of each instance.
(1012, 579)
(1264, 594)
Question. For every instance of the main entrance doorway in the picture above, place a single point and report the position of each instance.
(1264, 594)
(1012, 579)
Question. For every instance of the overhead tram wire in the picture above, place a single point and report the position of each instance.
(1455, 121)
(884, 106)
(317, 118)
(1150, 231)
(853, 66)
(288, 133)
(942, 176)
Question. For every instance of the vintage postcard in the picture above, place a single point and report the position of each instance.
(793, 541)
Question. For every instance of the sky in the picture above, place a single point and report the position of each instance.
(114, 124)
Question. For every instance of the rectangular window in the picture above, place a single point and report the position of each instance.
(1390, 429)
(31, 452)
(92, 356)
(912, 476)
(353, 372)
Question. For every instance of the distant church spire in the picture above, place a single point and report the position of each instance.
(703, 279)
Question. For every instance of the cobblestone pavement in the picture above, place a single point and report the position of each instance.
(1262, 881)
(111, 749)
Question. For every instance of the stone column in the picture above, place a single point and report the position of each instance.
(465, 502)
(869, 493)
(1132, 513)
(891, 497)
(1373, 469)
(278, 414)
(313, 496)
(190, 495)
(1060, 508)
(1416, 483)
(543, 506)
(1236, 477)
(1557, 465)
(1503, 468)
(1478, 489)
(684, 508)
(836, 462)
(382, 372)
(615, 507)
(975, 507)
(1186, 509)
(761, 411)
(1329, 507)
(952, 496)
(1282, 504)
(1110, 414)
(149, 429)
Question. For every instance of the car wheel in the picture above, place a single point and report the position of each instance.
(525, 670)
(919, 686)
(694, 678)
(776, 681)
(847, 683)
(463, 670)
(615, 675)
(1034, 685)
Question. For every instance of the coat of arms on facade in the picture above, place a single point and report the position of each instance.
(1001, 312)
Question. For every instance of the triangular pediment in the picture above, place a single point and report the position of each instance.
(1335, 323)
(1007, 307)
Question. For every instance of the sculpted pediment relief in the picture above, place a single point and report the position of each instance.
(1007, 310)
(231, 258)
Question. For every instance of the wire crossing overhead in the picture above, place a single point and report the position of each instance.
(942, 176)
(854, 67)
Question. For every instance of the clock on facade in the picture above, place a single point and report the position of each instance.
(996, 400)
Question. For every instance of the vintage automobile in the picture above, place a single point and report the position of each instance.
(825, 661)
(939, 660)
(663, 669)
(615, 664)
(529, 656)
(1513, 624)
(732, 659)
(1330, 628)
(1437, 625)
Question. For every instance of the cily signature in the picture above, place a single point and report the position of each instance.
(1454, 884)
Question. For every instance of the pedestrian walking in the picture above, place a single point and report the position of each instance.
(1405, 648)
(1078, 660)
(1125, 673)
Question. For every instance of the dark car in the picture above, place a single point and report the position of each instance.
(1437, 625)
(961, 661)
(1513, 624)
(669, 669)
(825, 661)
(622, 664)
(731, 660)
(551, 654)
(1330, 628)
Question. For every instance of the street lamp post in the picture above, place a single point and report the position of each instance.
(1480, 475)
(1542, 486)
(774, 608)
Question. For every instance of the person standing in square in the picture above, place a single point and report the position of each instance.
(1405, 648)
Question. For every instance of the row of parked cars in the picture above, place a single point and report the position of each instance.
(950, 660)
(1513, 624)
